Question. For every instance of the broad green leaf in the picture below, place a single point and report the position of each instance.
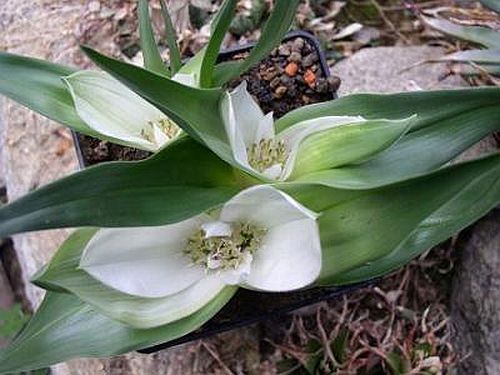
(347, 144)
(492, 4)
(195, 110)
(64, 273)
(171, 37)
(193, 65)
(37, 85)
(276, 27)
(219, 28)
(480, 195)
(447, 123)
(476, 34)
(152, 57)
(178, 182)
(64, 327)
(366, 230)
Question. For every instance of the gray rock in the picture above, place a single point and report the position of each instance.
(392, 69)
(475, 314)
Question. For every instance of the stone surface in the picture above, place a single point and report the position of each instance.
(475, 314)
(392, 69)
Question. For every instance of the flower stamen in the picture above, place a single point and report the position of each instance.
(267, 153)
(224, 252)
(165, 125)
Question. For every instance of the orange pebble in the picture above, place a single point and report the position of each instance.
(310, 77)
(291, 69)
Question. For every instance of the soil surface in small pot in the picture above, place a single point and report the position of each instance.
(289, 78)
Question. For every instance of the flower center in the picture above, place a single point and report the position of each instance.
(166, 126)
(267, 153)
(226, 251)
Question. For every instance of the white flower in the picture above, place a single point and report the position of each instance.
(253, 140)
(261, 239)
(113, 110)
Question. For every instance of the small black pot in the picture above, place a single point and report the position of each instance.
(248, 307)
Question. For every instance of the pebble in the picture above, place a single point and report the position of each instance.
(322, 85)
(295, 57)
(297, 45)
(275, 82)
(333, 83)
(291, 69)
(280, 91)
(284, 50)
(310, 78)
(309, 60)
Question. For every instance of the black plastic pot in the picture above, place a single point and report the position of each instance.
(248, 307)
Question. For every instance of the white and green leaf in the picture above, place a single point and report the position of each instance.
(64, 327)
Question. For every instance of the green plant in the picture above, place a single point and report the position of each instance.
(330, 194)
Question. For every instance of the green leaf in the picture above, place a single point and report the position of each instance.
(347, 144)
(397, 363)
(474, 201)
(65, 327)
(195, 110)
(171, 37)
(487, 56)
(276, 27)
(447, 123)
(64, 273)
(219, 28)
(37, 84)
(367, 233)
(477, 34)
(152, 57)
(492, 4)
(12, 319)
(180, 181)
(193, 65)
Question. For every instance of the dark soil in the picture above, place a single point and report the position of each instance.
(95, 151)
(291, 77)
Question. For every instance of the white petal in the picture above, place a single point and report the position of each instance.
(216, 229)
(273, 172)
(143, 261)
(240, 274)
(244, 122)
(265, 129)
(187, 79)
(295, 134)
(264, 205)
(111, 109)
(290, 258)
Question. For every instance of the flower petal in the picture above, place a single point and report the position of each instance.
(244, 121)
(110, 108)
(289, 259)
(264, 205)
(143, 261)
(293, 135)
